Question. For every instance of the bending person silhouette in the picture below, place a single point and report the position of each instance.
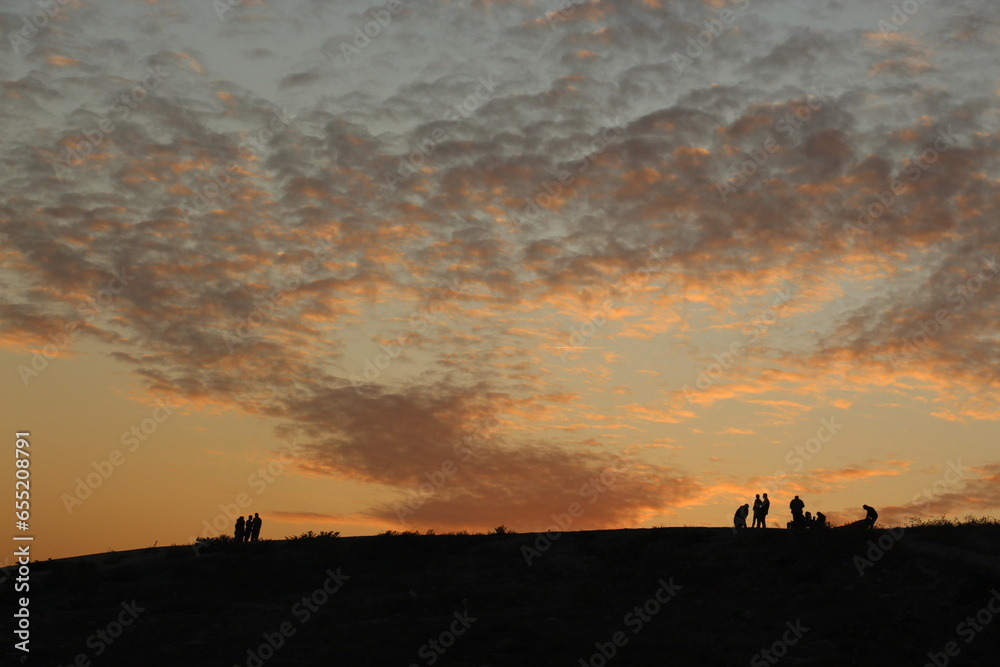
(740, 518)
(871, 516)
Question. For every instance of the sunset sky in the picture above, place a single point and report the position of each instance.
(650, 257)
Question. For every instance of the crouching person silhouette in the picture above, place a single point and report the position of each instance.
(870, 516)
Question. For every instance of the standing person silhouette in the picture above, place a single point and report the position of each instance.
(765, 507)
(256, 526)
(756, 512)
(238, 533)
(870, 516)
(797, 506)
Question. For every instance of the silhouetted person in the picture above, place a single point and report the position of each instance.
(756, 512)
(765, 507)
(238, 534)
(796, 506)
(256, 526)
(871, 516)
(809, 519)
(740, 518)
(820, 520)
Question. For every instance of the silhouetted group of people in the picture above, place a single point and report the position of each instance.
(760, 510)
(806, 520)
(800, 519)
(249, 530)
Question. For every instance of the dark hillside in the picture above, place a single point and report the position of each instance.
(673, 596)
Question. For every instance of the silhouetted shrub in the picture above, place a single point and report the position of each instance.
(944, 522)
(503, 530)
(221, 543)
(310, 535)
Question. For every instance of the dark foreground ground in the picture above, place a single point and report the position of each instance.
(728, 597)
